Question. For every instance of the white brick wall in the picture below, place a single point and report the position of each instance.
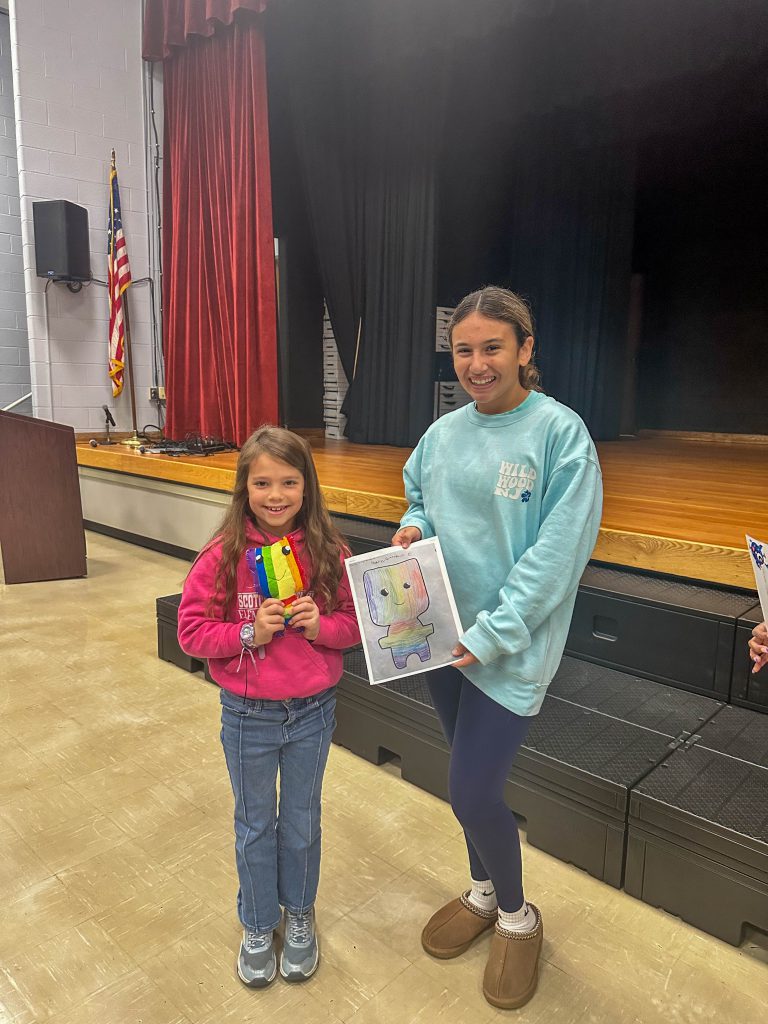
(14, 347)
(78, 94)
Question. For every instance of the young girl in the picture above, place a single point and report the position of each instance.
(511, 486)
(277, 658)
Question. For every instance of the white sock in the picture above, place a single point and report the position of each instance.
(483, 895)
(522, 920)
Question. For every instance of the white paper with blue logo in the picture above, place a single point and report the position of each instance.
(759, 555)
(405, 607)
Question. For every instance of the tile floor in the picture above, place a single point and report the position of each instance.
(117, 877)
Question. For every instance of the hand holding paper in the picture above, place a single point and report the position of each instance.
(758, 645)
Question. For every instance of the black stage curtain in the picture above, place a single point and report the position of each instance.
(571, 233)
(369, 145)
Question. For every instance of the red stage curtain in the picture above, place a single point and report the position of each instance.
(170, 23)
(218, 251)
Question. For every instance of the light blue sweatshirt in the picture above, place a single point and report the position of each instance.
(515, 499)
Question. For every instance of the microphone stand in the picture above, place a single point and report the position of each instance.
(94, 443)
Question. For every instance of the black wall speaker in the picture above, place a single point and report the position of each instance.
(62, 249)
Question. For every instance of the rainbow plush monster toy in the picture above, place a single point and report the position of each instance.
(277, 572)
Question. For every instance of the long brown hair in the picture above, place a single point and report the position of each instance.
(509, 307)
(322, 541)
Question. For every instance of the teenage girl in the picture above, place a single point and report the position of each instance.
(511, 485)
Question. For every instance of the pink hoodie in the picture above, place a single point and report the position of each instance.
(291, 666)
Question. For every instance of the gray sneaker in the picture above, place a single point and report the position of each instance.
(256, 962)
(300, 955)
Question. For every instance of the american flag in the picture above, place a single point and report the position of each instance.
(118, 279)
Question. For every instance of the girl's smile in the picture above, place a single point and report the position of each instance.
(275, 494)
(487, 358)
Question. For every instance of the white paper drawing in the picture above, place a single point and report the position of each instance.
(405, 606)
(759, 554)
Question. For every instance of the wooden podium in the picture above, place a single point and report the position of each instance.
(41, 516)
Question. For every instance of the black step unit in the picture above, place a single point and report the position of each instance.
(572, 778)
(364, 535)
(168, 641)
(698, 838)
(748, 689)
(637, 700)
(167, 634)
(676, 633)
(737, 732)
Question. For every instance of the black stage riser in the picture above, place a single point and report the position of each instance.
(748, 690)
(713, 895)
(677, 633)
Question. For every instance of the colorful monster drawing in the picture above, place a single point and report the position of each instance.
(396, 596)
(277, 572)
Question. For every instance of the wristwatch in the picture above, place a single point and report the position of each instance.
(247, 634)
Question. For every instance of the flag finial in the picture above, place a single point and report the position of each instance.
(113, 159)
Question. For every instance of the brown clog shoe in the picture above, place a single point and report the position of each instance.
(454, 928)
(512, 971)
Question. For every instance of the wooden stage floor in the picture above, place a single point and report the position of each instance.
(674, 504)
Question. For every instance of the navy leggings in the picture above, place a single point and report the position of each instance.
(484, 739)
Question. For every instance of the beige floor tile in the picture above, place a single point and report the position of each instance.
(38, 913)
(213, 877)
(34, 810)
(41, 729)
(399, 912)
(403, 842)
(349, 880)
(168, 758)
(691, 993)
(111, 785)
(36, 985)
(445, 867)
(596, 954)
(733, 967)
(179, 848)
(147, 810)
(20, 770)
(75, 760)
(414, 998)
(117, 874)
(70, 843)
(356, 966)
(145, 925)
(20, 866)
(131, 1000)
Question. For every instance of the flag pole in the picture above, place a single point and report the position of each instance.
(134, 441)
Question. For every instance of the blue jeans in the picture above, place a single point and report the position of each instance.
(277, 848)
(484, 738)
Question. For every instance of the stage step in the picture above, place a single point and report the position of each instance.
(681, 634)
(748, 690)
(698, 829)
(632, 698)
(167, 609)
